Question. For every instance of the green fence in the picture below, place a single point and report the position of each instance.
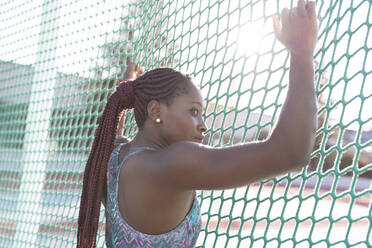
(59, 60)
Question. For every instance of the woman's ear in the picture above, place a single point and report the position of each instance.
(153, 110)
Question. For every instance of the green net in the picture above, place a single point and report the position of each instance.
(59, 61)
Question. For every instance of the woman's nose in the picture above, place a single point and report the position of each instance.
(202, 127)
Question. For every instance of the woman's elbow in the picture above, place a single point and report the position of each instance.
(303, 161)
(301, 156)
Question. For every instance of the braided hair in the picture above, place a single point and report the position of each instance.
(161, 84)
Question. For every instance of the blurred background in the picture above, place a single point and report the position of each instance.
(60, 60)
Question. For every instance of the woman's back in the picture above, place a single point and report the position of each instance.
(156, 218)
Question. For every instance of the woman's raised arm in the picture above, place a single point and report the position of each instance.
(187, 165)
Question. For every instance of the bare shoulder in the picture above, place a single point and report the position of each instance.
(188, 165)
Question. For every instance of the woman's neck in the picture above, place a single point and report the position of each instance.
(146, 138)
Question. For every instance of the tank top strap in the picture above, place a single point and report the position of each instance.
(132, 152)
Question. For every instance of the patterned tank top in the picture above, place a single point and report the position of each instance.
(120, 234)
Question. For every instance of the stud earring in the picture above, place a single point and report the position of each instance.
(157, 120)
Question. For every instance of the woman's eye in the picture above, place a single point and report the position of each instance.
(194, 111)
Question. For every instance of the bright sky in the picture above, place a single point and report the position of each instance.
(83, 26)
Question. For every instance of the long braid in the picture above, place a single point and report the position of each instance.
(160, 84)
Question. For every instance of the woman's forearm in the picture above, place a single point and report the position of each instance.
(295, 129)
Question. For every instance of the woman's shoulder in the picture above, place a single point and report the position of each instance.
(163, 166)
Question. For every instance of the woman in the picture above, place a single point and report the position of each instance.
(151, 180)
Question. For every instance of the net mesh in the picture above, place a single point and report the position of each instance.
(59, 61)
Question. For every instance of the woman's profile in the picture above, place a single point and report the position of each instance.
(148, 184)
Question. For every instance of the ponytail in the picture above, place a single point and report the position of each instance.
(95, 171)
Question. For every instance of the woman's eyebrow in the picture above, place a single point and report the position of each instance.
(199, 104)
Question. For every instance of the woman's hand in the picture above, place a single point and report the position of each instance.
(133, 71)
(298, 29)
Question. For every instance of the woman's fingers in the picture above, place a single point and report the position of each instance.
(140, 71)
(297, 29)
(301, 10)
(285, 16)
(310, 7)
(277, 27)
(131, 67)
(130, 72)
(133, 71)
(280, 25)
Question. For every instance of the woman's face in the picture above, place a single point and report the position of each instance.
(183, 120)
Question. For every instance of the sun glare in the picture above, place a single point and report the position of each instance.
(249, 38)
